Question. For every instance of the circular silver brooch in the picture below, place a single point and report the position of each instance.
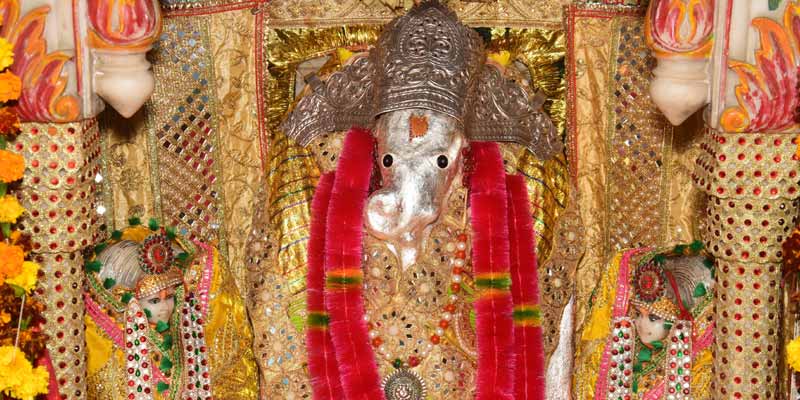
(404, 385)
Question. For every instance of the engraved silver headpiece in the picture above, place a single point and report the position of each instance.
(426, 59)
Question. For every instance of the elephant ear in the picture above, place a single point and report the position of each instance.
(502, 109)
(345, 99)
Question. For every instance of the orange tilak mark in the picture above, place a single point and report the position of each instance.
(417, 126)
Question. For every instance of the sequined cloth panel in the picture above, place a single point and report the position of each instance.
(58, 190)
(185, 139)
(639, 140)
(199, 4)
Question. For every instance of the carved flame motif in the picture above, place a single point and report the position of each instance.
(680, 27)
(42, 98)
(766, 93)
(124, 24)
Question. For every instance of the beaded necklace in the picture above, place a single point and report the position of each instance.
(459, 250)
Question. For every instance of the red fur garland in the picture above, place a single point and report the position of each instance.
(529, 374)
(325, 380)
(343, 252)
(489, 219)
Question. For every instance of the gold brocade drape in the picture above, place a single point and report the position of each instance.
(192, 156)
(632, 170)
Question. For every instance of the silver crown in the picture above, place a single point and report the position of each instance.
(426, 59)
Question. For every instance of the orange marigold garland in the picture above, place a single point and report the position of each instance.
(23, 357)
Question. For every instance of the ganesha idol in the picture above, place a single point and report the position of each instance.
(650, 329)
(421, 279)
(164, 321)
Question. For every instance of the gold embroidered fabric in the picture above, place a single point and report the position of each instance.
(326, 13)
(631, 169)
(197, 139)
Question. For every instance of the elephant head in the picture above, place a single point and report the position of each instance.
(419, 157)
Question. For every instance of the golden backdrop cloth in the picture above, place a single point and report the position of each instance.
(632, 170)
(192, 156)
(228, 338)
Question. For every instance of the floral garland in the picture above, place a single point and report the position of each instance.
(340, 357)
(20, 316)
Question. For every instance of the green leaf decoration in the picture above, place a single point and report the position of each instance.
(659, 259)
(637, 367)
(161, 326)
(657, 345)
(152, 224)
(3, 187)
(166, 364)
(700, 290)
(709, 263)
(18, 291)
(679, 249)
(667, 325)
(696, 246)
(182, 257)
(147, 313)
(135, 221)
(116, 235)
(167, 342)
(109, 283)
(645, 354)
(126, 298)
(774, 4)
(170, 232)
(162, 387)
(25, 323)
(93, 266)
(6, 228)
(100, 247)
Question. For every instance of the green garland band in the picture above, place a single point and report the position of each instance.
(503, 283)
(318, 319)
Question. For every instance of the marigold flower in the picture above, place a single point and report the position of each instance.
(11, 260)
(18, 378)
(9, 121)
(10, 209)
(6, 54)
(27, 278)
(12, 166)
(793, 354)
(10, 86)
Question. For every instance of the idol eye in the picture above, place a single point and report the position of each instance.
(442, 161)
(653, 318)
(154, 301)
(387, 160)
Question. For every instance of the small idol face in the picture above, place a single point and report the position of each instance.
(159, 306)
(650, 327)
